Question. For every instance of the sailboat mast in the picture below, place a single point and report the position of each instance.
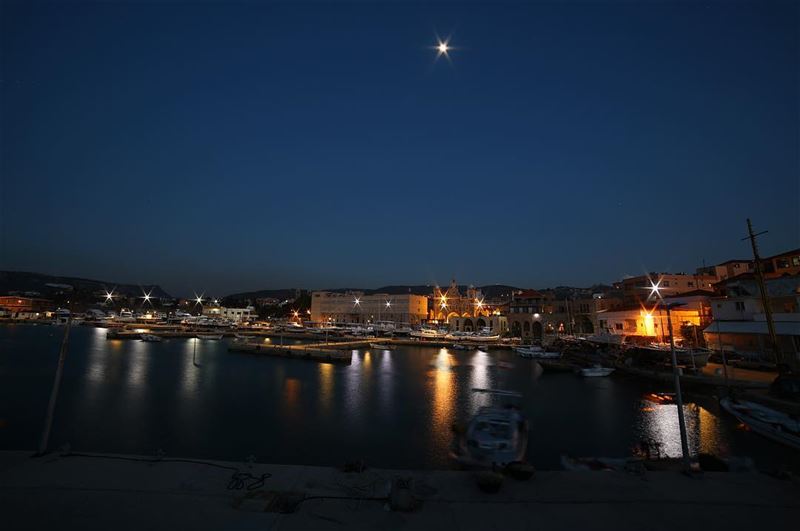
(773, 338)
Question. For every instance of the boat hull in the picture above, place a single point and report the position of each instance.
(775, 429)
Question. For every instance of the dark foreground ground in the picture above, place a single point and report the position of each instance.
(55, 492)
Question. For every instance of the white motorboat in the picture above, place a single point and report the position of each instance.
(483, 336)
(150, 338)
(402, 331)
(596, 371)
(210, 337)
(428, 333)
(496, 436)
(459, 346)
(380, 346)
(765, 421)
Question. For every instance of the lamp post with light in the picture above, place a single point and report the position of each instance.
(656, 290)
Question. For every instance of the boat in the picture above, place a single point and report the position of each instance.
(605, 338)
(379, 346)
(210, 337)
(150, 338)
(596, 371)
(428, 333)
(483, 336)
(459, 346)
(496, 436)
(534, 352)
(402, 331)
(765, 421)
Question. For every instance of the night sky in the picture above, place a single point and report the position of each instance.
(220, 148)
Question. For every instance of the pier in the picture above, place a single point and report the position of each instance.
(333, 352)
(103, 491)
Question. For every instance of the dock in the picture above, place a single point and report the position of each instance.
(698, 379)
(122, 492)
(332, 352)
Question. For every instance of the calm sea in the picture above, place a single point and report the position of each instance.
(390, 408)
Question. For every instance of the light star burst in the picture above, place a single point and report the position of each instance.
(443, 48)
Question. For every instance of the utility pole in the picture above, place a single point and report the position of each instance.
(773, 338)
(678, 397)
(51, 406)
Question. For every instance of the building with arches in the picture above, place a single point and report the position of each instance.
(448, 304)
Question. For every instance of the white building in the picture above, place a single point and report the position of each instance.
(355, 307)
(740, 323)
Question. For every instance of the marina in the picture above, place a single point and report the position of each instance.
(161, 395)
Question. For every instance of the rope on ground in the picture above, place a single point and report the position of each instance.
(237, 481)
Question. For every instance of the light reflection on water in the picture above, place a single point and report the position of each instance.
(660, 425)
(392, 408)
(444, 396)
(479, 378)
(386, 382)
(138, 358)
(325, 386)
(190, 375)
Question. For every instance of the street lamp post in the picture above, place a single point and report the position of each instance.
(677, 379)
(655, 290)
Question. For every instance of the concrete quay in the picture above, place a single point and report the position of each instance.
(112, 492)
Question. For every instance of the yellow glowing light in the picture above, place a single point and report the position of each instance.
(649, 325)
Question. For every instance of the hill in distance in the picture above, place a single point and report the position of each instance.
(46, 285)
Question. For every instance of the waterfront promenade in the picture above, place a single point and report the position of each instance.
(54, 492)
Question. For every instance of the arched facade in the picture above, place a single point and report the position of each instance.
(450, 302)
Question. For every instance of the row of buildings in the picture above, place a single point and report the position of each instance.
(719, 306)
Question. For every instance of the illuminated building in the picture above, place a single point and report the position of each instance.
(356, 307)
(635, 290)
(14, 304)
(451, 303)
(647, 321)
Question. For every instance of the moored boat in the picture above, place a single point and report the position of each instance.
(151, 338)
(381, 346)
(459, 346)
(496, 436)
(596, 371)
(534, 352)
(765, 421)
(210, 337)
(428, 333)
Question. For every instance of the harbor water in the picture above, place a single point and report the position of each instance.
(391, 409)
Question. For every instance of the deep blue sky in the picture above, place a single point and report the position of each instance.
(229, 147)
